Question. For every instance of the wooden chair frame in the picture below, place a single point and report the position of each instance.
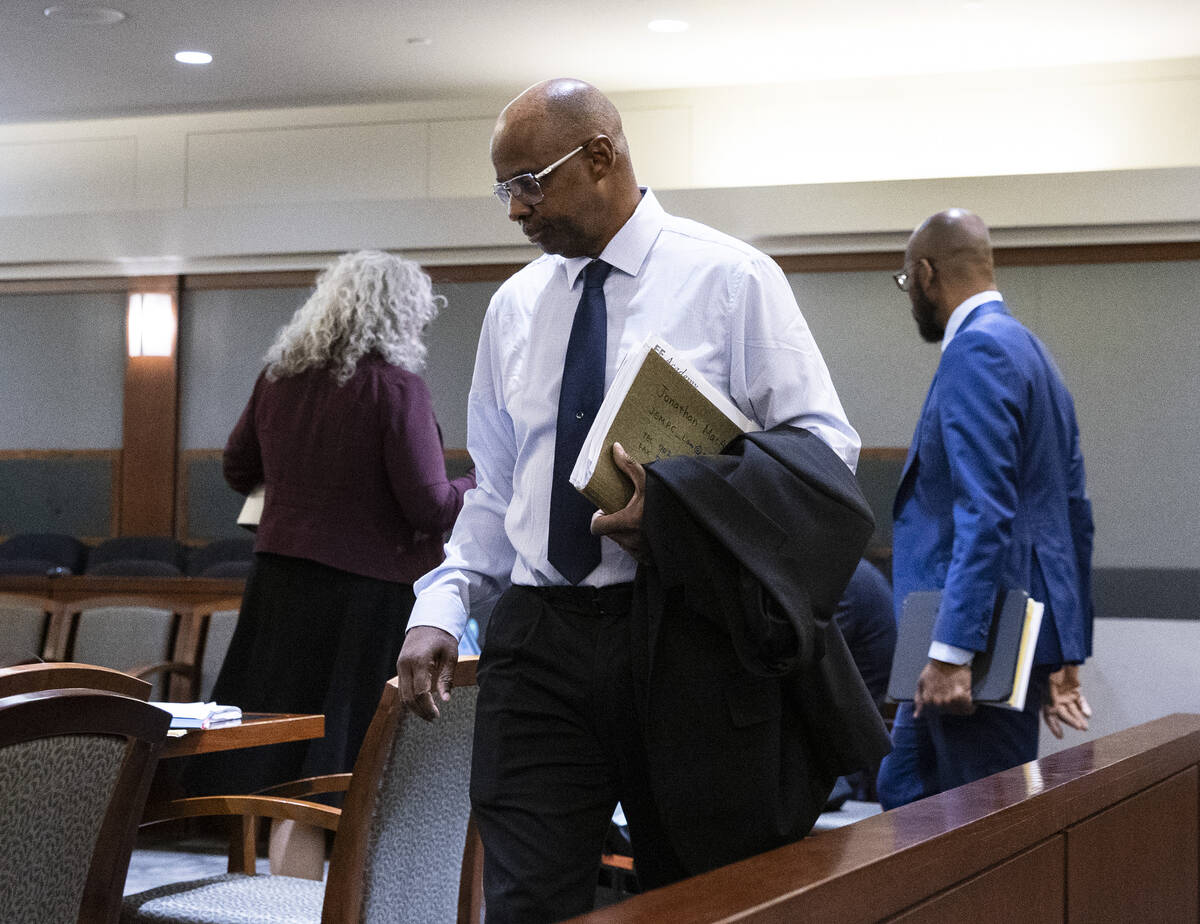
(31, 678)
(53, 713)
(191, 643)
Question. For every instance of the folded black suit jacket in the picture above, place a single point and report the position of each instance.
(750, 702)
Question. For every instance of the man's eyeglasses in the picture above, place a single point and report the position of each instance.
(904, 279)
(525, 188)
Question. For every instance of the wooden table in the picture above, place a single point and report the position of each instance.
(254, 729)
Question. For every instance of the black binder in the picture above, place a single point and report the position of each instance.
(999, 675)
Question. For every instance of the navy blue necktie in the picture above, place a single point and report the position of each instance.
(573, 550)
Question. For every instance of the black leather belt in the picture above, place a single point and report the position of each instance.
(613, 600)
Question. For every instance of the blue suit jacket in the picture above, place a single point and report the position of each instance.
(992, 493)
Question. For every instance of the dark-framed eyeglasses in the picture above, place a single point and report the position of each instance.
(526, 187)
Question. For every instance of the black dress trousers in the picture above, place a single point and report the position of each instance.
(557, 745)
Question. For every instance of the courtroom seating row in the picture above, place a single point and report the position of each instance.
(55, 554)
(175, 643)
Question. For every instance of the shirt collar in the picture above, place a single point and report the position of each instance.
(959, 315)
(629, 246)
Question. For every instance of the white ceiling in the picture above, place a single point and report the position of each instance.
(271, 53)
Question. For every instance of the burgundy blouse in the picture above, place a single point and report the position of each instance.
(355, 475)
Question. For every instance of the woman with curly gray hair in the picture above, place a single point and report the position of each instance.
(341, 432)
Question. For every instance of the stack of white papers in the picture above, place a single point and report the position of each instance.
(200, 715)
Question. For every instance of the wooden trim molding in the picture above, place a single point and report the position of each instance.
(1070, 255)
(63, 286)
(6, 454)
(478, 272)
(1169, 251)
(286, 279)
(277, 279)
(856, 261)
(884, 453)
(840, 262)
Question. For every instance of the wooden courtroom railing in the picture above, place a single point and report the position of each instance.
(81, 586)
(1105, 831)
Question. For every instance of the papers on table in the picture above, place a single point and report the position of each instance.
(200, 715)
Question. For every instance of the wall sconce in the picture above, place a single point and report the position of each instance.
(151, 324)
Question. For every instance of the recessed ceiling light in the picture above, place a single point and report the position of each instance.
(193, 57)
(83, 15)
(667, 25)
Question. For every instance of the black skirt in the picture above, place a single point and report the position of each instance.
(309, 638)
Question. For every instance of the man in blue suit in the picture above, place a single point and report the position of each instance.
(991, 497)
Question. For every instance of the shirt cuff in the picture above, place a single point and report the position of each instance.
(951, 654)
(441, 608)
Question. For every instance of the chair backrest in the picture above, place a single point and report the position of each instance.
(222, 558)
(137, 556)
(212, 631)
(136, 633)
(25, 626)
(38, 553)
(75, 769)
(399, 851)
(31, 678)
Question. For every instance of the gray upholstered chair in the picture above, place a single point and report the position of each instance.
(28, 622)
(75, 769)
(403, 851)
(205, 645)
(151, 637)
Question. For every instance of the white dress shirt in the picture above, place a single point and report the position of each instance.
(940, 651)
(726, 307)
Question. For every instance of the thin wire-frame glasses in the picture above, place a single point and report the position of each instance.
(525, 187)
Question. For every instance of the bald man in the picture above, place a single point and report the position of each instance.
(557, 742)
(991, 497)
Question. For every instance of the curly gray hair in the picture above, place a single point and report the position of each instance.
(366, 301)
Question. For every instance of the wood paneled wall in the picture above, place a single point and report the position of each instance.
(148, 493)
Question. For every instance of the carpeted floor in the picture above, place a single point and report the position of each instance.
(157, 861)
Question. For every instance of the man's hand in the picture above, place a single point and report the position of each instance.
(625, 525)
(426, 670)
(944, 686)
(1065, 702)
